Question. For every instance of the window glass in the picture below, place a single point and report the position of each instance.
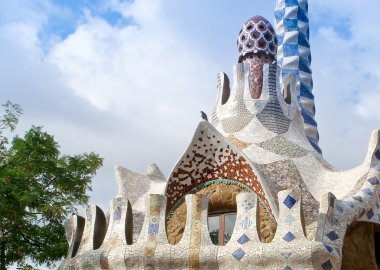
(221, 227)
(213, 227)
(229, 224)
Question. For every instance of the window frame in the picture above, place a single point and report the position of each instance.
(221, 232)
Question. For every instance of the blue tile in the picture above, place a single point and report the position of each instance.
(370, 214)
(367, 191)
(373, 181)
(327, 265)
(238, 254)
(308, 119)
(339, 207)
(153, 229)
(290, 25)
(306, 7)
(290, 50)
(279, 15)
(117, 215)
(349, 203)
(305, 91)
(287, 71)
(358, 198)
(304, 65)
(314, 143)
(291, 3)
(301, 15)
(243, 239)
(245, 223)
(328, 248)
(332, 236)
(280, 39)
(303, 41)
(289, 201)
(289, 237)
(286, 254)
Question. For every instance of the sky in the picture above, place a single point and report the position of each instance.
(127, 79)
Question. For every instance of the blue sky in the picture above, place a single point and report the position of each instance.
(127, 79)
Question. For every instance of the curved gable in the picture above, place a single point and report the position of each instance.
(209, 157)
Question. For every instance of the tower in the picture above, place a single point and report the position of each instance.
(294, 56)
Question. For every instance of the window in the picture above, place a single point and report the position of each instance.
(221, 227)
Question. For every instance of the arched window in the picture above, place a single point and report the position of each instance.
(221, 226)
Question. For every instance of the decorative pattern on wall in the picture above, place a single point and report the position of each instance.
(272, 116)
(210, 157)
(281, 146)
(284, 175)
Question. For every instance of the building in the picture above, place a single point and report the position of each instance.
(252, 190)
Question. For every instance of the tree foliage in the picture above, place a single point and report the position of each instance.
(39, 188)
(8, 121)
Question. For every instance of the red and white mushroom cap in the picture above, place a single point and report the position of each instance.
(257, 35)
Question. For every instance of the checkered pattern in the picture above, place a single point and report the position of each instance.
(293, 55)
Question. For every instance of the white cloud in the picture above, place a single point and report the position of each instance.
(368, 106)
(141, 72)
(356, 56)
(21, 34)
(143, 11)
(346, 78)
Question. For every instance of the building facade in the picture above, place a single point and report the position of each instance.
(252, 190)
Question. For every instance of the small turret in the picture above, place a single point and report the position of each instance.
(257, 45)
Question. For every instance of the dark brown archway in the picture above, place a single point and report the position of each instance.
(361, 247)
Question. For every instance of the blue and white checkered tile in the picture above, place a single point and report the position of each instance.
(246, 218)
(370, 200)
(293, 56)
(289, 222)
(331, 258)
(330, 231)
(244, 236)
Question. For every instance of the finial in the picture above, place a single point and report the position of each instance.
(257, 36)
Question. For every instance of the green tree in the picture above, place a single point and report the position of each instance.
(39, 188)
(8, 122)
